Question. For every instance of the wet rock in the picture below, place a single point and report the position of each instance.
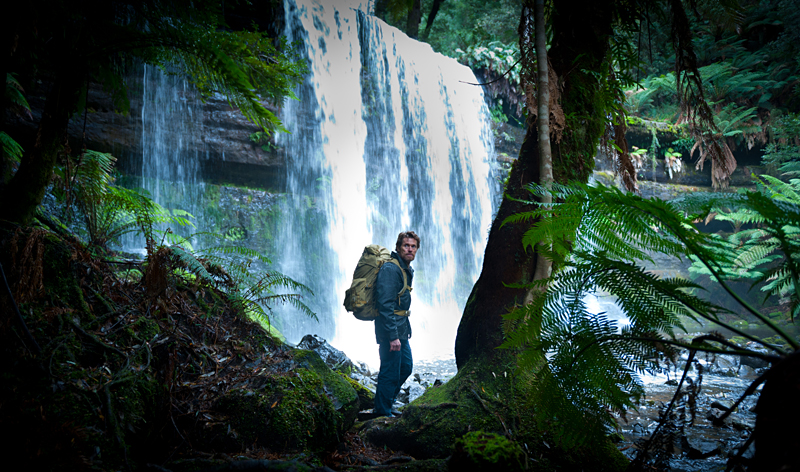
(415, 391)
(742, 424)
(333, 358)
(754, 362)
(746, 371)
(748, 453)
(714, 415)
(698, 448)
(721, 405)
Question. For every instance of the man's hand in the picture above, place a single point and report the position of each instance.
(394, 345)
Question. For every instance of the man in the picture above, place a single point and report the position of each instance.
(392, 329)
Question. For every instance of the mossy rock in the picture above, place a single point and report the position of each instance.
(339, 391)
(308, 407)
(478, 450)
(366, 398)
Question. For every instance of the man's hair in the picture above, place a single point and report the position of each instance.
(406, 235)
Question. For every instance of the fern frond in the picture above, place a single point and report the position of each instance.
(10, 146)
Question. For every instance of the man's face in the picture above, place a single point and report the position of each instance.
(408, 249)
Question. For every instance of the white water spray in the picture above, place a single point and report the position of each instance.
(387, 136)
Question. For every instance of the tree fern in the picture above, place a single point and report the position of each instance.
(583, 366)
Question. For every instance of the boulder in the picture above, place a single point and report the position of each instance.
(333, 358)
(307, 407)
(358, 376)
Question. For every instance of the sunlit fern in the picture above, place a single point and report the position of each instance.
(584, 366)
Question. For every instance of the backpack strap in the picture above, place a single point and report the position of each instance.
(405, 279)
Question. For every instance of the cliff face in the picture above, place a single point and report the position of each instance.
(223, 143)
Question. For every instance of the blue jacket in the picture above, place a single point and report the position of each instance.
(388, 325)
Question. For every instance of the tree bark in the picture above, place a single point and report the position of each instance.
(505, 261)
(543, 265)
(580, 43)
(25, 190)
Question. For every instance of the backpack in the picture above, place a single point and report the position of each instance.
(360, 297)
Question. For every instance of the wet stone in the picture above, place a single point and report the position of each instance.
(721, 405)
(697, 448)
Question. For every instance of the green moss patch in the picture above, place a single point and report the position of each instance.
(478, 450)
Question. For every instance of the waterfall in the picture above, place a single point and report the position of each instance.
(171, 121)
(386, 136)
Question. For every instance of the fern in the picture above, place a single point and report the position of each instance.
(14, 95)
(107, 211)
(243, 275)
(583, 366)
(759, 254)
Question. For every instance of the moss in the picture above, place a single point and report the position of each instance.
(340, 392)
(288, 413)
(366, 399)
(740, 324)
(478, 450)
(431, 424)
(308, 408)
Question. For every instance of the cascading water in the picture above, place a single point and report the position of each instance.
(386, 136)
(171, 120)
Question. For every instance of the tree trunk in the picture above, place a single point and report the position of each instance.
(414, 18)
(504, 262)
(432, 16)
(27, 187)
(580, 43)
(777, 416)
(543, 265)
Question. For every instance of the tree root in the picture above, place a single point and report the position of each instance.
(95, 339)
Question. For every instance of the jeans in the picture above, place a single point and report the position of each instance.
(395, 369)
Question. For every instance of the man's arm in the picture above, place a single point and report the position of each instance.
(388, 283)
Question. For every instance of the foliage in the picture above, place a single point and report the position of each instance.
(263, 140)
(783, 152)
(98, 42)
(585, 364)
(108, 211)
(672, 160)
(497, 64)
(748, 78)
(494, 56)
(755, 254)
(244, 66)
(244, 276)
(466, 23)
(14, 95)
